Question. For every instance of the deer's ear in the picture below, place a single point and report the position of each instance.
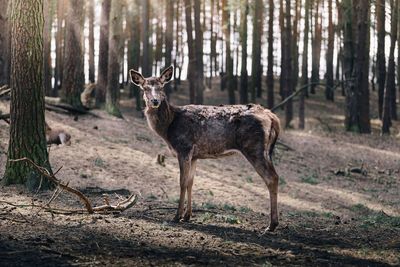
(136, 77)
(166, 75)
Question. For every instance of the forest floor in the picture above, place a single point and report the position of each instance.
(338, 199)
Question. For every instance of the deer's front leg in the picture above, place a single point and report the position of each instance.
(184, 166)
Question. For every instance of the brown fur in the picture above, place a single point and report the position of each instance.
(197, 132)
(57, 136)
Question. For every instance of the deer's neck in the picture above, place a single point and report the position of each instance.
(159, 119)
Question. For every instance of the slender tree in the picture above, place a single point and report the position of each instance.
(287, 71)
(316, 46)
(4, 43)
(27, 129)
(329, 93)
(295, 44)
(192, 55)
(256, 69)
(304, 64)
(169, 37)
(102, 67)
(73, 76)
(90, 11)
(146, 47)
(390, 77)
(243, 39)
(226, 15)
(58, 71)
(48, 21)
(198, 46)
(270, 69)
(380, 52)
(114, 59)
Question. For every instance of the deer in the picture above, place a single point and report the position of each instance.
(194, 132)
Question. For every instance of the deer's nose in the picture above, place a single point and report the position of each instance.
(155, 102)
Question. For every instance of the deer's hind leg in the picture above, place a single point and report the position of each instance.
(185, 171)
(265, 168)
(188, 212)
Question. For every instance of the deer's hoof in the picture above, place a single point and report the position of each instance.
(187, 217)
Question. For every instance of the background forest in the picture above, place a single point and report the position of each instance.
(330, 70)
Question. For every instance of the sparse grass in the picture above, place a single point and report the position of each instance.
(249, 179)
(209, 205)
(282, 181)
(245, 209)
(232, 219)
(151, 197)
(229, 207)
(310, 179)
(370, 218)
(99, 162)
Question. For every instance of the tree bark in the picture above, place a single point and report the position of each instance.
(102, 67)
(73, 76)
(243, 39)
(198, 46)
(390, 77)
(316, 47)
(288, 89)
(329, 93)
(27, 128)
(270, 69)
(146, 57)
(4, 43)
(48, 20)
(114, 59)
(380, 52)
(192, 55)
(304, 64)
(60, 38)
(256, 69)
(228, 52)
(169, 38)
(90, 10)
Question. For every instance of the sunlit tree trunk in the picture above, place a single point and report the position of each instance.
(27, 128)
(304, 64)
(198, 46)
(390, 77)
(48, 10)
(295, 44)
(283, 48)
(243, 39)
(287, 71)
(146, 57)
(114, 59)
(102, 67)
(73, 76)
(228, 52)
(4, 44)
(60, 37)
(192, 55)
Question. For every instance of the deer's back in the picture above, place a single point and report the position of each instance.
(212, 131)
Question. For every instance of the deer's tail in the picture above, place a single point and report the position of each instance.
(273, 134)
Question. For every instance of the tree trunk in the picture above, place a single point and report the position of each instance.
(4, 44)
(114, 59)
(73, 76)
(169, 38)
(90, 10)
(329, 93)
(380, 52)
(295, 44)
(288, 89)
(60, 38)
(316, 47)
(256, 69)
(192, 55)
(390, 77)
(198, 45)
(146, 57)
(270, 69)
(27, 129)
(283, 48)
(304, 63)
(48, 20)
(243, 39)
(228, 57)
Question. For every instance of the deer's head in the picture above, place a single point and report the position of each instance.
(153, 87)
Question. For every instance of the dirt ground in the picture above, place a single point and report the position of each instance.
(338, 201)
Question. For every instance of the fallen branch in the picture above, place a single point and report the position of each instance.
(121, 206)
